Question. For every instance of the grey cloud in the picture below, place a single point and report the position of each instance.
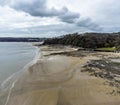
(43, 31)
(39, 8)
(69, 17)
(54, 30)
(88, 23)
(4, 2)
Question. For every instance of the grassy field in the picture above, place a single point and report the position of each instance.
(107, 49)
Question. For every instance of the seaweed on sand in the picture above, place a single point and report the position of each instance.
(106, 69)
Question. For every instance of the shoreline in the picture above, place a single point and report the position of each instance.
(57, 79)
(9, 83)
(26, 67)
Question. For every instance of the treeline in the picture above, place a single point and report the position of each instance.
(87, 40)
(10, 39)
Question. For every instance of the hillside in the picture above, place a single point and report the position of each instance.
(12, 39)
(87, 40)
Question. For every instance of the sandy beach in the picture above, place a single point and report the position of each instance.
(57, 79)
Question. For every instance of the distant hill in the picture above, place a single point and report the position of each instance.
(12, 39)
(87, 40)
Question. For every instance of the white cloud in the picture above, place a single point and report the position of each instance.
(14, 22)
(36, 17)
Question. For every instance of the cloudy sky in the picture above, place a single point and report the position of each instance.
(47, 18)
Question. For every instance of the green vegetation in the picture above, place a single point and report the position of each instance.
(107, 49)
(97, 41)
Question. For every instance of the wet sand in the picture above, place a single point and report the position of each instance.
(58, 80)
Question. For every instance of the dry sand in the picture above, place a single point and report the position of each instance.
(58, 80)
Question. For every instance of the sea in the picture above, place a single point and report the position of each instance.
(14, 56)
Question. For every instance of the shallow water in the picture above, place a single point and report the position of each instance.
(13, 57)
